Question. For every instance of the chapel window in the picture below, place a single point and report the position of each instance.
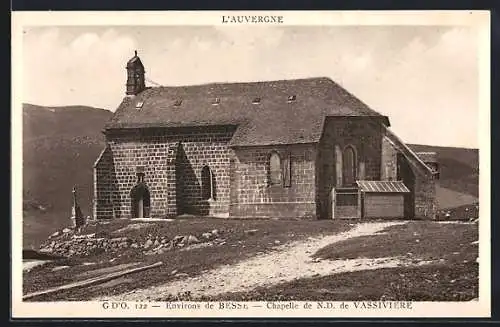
(274, 169)
(349, 170)
(207, 184)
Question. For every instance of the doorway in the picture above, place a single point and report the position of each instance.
(141, 201)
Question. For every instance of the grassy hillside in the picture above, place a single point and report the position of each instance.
(449, 198)
(60, 145)
(459, 167)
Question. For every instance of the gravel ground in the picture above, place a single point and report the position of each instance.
(291, 262)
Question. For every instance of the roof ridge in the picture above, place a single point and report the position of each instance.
(304, 79)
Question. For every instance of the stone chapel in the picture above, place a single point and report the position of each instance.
(301, 148)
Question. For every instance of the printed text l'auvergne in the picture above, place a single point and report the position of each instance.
(252, 19)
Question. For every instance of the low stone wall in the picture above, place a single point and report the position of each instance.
(67, 243)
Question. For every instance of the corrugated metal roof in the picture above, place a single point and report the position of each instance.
(383, 186)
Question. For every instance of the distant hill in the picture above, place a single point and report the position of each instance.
(459, 167)
(61, 144)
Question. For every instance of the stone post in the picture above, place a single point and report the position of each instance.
(77, 218)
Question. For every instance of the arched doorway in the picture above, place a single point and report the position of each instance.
(141, 201)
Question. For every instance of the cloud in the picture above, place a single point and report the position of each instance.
(82, 70)
(435, 86)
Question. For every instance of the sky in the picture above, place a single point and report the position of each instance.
(425, 78)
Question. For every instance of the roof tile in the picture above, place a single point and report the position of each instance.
(274, 121)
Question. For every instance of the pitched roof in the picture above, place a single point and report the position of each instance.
(409, 154)
(135, 61)
(273, 120)
(382, 187)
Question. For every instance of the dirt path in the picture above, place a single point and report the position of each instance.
(290, 262)
(30, 264)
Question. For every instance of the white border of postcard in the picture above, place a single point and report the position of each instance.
(480, 20)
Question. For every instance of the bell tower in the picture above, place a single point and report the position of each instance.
(135, 76)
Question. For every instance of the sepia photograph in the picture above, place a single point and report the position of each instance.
(250, 163)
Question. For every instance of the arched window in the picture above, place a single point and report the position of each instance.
(274, 169)
(349, 163)
(207, 184)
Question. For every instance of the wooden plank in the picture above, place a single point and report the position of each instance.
(387, 205)
(91, 281)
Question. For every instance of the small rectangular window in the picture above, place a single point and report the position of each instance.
(292, 98)
(256, 101)
(139, 105)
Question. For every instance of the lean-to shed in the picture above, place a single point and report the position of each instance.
(382, 199)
